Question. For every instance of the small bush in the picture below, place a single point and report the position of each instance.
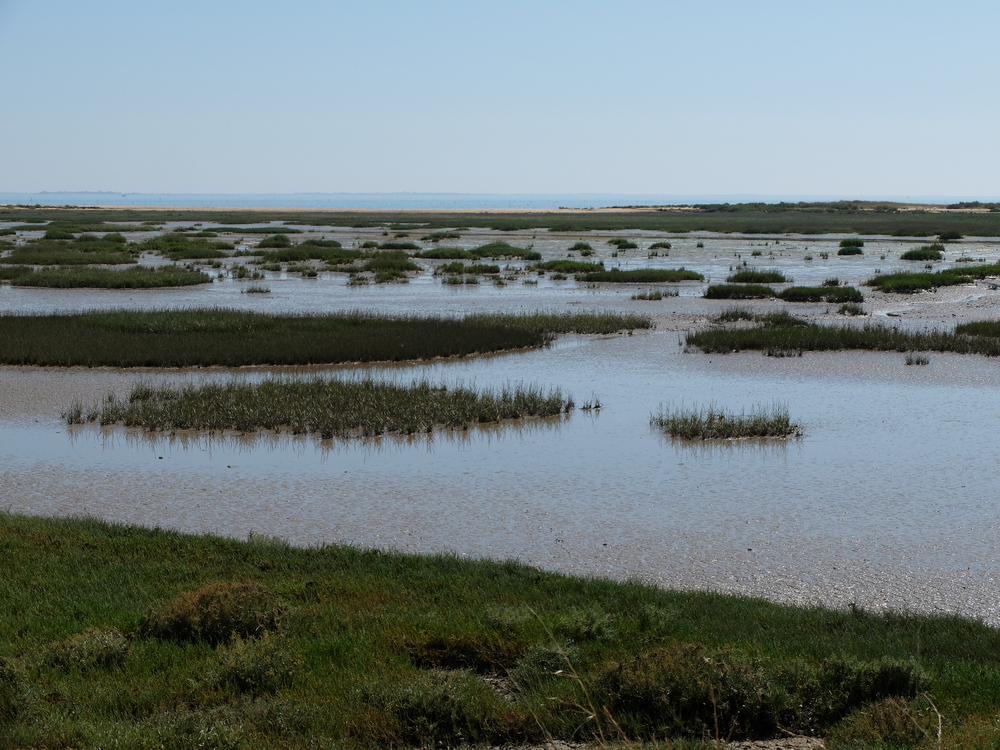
(831, 282)
(12, 697)
(443, 709)
(543, 662)
(660, 246)
(583, 248)
(926, 252)
(255, 665)
(93, 648)
(852, 242)
(622, 244)
(850, 250)
(275, 240)
(217, 613)
(58, 234)
(949, 236)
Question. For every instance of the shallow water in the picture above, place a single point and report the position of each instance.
(886, 501)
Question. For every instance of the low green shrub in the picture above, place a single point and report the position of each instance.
(216, 613)
(833, 295)
(850, 250)
(91, 649)
(640, 276)
(255, 665)
(852, 242)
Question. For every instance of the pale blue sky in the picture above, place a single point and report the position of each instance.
(710, 97)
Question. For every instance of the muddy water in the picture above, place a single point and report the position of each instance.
(888, 499)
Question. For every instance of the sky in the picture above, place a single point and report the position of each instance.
(708, 97)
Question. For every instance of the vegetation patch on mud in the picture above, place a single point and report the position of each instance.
(786, 335)
(712, 423)
(181, 338)
(326, 408)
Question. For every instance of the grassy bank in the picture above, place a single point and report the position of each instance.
(710, 423)
(231, 338)
(327, 408)
(785, 334)
(124, 637)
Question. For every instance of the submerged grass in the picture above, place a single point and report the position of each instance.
(327, 408)
(115, 636)
(710, 423)
(181, 338)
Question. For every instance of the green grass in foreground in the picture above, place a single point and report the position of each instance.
(327, 408)
(780, 337)
(231, 338)
(640, 276)
(714, 424)
(137, 277)
(113, 636)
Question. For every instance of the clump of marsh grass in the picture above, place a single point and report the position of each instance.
(934, 251)
(755, 276)
(503, 250)
(139, 277)
(654, 295)
(445, 253)
(622, 244)
(814, 337)
(184, 338)
(852, 242)
(257, 289)
(640, 276)
(583, 248)
(328, 408)
(738, 291)
(831, 294)
(850, 250)
(711, 423)
(917, 359)
(569, 266)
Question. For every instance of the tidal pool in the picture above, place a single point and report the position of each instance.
(886, 501)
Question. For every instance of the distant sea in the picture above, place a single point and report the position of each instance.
(391, 201)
